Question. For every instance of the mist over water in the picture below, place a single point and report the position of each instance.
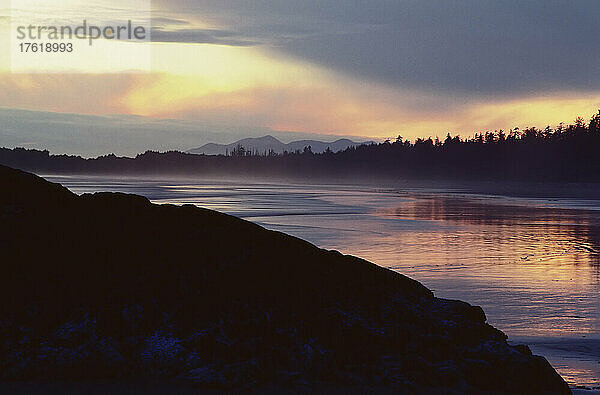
(532, 263)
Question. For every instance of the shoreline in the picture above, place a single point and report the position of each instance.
(256, 309)
(256, 189)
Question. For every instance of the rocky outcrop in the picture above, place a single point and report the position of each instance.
(110, 285)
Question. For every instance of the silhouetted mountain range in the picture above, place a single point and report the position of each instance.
(566, 154)
(111, 286)
(266, 144)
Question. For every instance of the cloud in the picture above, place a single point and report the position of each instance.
(77, 93)
(166, 21)
(168, 29)
(467, 47)
(201, 36)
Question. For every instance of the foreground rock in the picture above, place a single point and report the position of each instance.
(112, 286)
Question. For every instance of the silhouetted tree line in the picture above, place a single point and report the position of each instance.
(564, 153)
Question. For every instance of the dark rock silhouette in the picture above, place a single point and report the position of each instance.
(112, 286)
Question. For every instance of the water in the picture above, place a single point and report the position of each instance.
(533, 264)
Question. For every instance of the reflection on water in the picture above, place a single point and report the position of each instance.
(532, 264)
(540, 263)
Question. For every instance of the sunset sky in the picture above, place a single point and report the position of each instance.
(223, 70)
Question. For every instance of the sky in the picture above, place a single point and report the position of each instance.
(219, 70)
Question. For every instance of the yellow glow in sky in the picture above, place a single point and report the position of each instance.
(254, 86)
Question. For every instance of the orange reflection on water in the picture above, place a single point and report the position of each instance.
(516, 261)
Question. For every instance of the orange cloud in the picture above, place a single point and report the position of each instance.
(324, 105)
(72, 93)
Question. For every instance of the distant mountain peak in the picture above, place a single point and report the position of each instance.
(268, 143)
(268, 137)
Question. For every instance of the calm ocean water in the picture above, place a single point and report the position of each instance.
(532, 263)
